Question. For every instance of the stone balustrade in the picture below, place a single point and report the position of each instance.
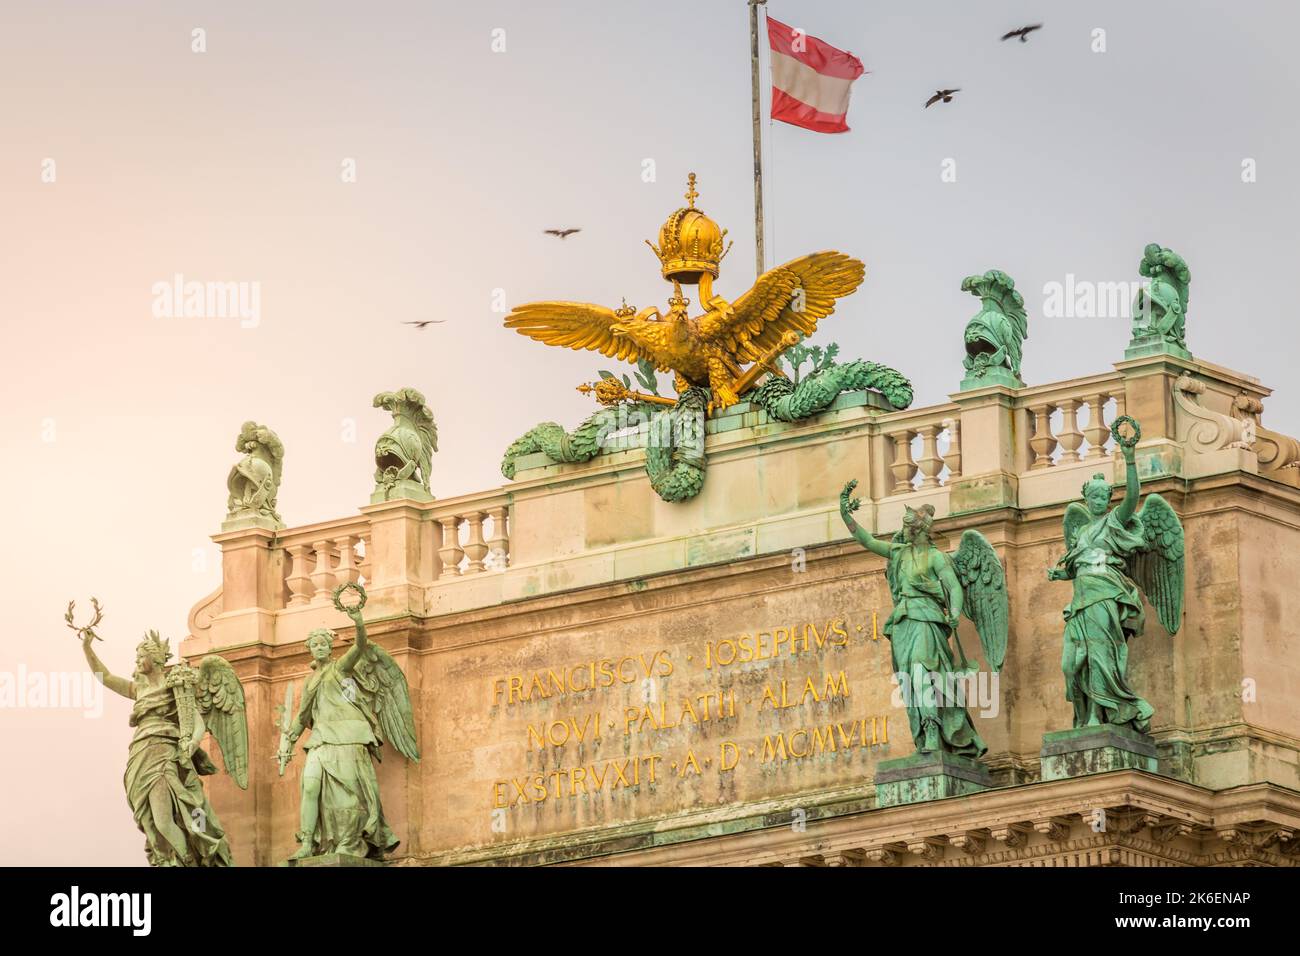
(321, 557)
(771, 488)
(472, 539)
(1055, 414)
(914, 438)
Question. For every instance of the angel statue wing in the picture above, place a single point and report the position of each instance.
(220, 699)
(384, 685)
(1076, 517)
(1158, 566)
(984, 587)
(757, 321)
(581, 325)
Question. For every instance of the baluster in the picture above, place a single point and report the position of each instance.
(1043, 444)
(499, 543)
(435, 546)
(322, 576)
(476, 548)
(299, 581)
(1097, 431)
(365, 564)
(451, 551)
(347, 571)
(1070, 437)
(929, 464)
(903, 467)
(953, 456)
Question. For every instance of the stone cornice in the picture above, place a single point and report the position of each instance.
(1157, 818)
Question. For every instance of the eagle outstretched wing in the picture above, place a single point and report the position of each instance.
(1158, 567)
(757, 321)
(984, 589)
(220, 699)
(384, 685)
(581, 325)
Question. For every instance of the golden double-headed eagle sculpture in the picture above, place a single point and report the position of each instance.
(708, 350)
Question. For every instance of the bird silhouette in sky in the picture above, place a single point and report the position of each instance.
(945, 95)
(562, 233)
(1023, 32)
(424, 322)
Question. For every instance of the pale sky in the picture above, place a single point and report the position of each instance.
(226, 166)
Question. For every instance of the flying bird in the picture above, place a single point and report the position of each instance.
(562, 233)
(945, 95)
(423, 322)
(1023, 32)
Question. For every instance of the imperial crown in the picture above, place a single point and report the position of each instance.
(710, 350)
(690, 243)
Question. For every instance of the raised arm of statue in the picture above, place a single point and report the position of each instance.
(848, 505)
(355, 652)
(118, 685)
(1132, 489)
(1132, 484)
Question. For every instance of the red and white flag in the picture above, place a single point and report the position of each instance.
(810, 80)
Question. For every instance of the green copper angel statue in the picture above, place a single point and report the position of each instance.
(352, 705)
(1111, 555)
(931, 590)
(174, 707)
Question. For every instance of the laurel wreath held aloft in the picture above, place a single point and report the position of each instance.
(89, 628)
(1134, 437)
(349, 586)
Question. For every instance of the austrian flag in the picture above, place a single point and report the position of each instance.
(810, 80)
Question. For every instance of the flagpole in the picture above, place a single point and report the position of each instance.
(758, 142)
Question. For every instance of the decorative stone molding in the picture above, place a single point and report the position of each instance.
(1012, 834)
(1170, 829)
(1150, 820)
(929, 849)
(1276, 451)
(885, 855)
(969, 841)
(202, 614)
(1056, 829)
(1201, 429)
